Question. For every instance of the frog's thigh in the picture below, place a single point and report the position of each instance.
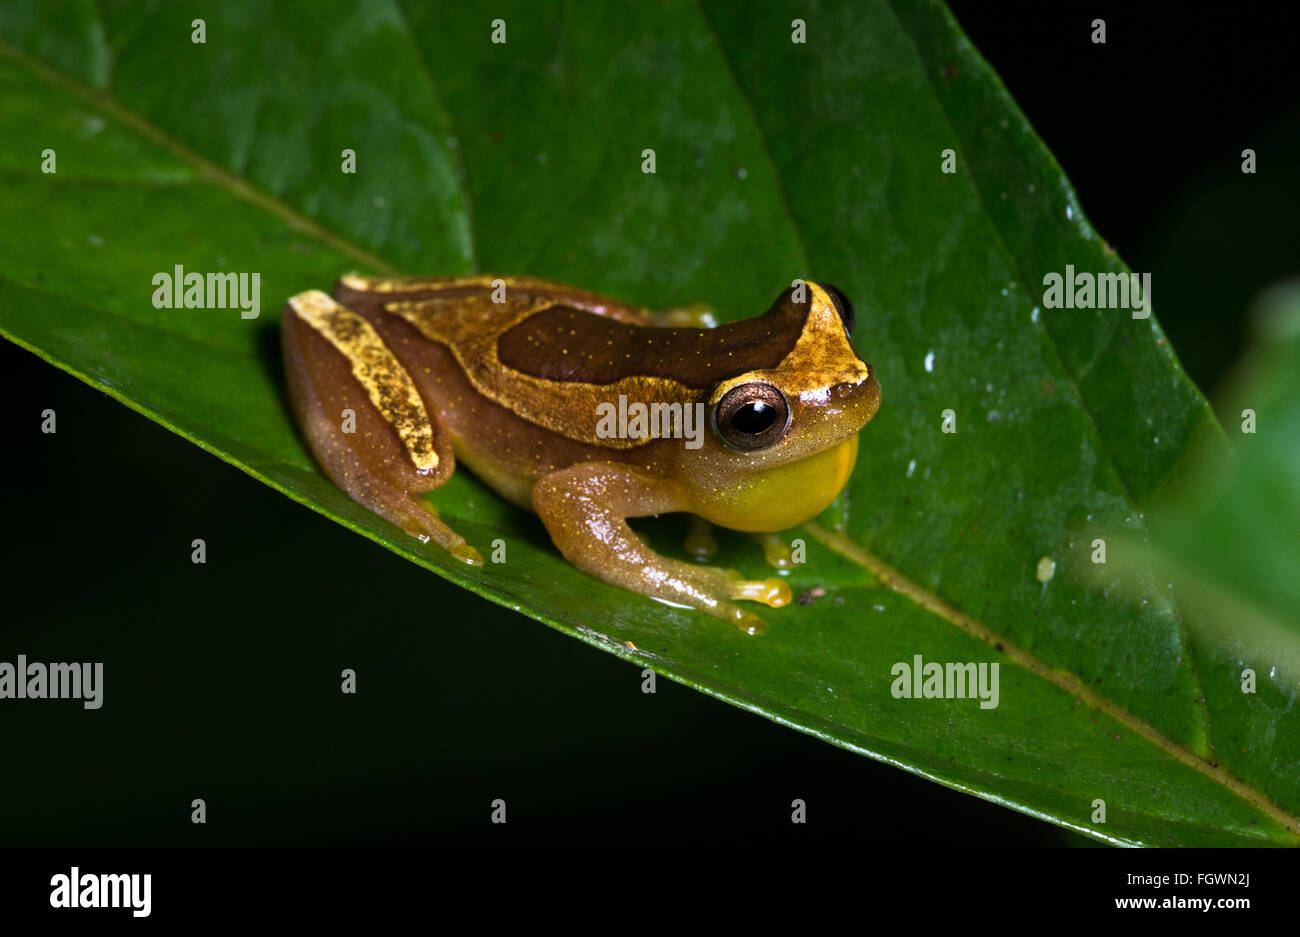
(364, 418)
(585, 507)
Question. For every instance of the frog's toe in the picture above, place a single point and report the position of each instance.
(425, 525)
(746, 621)
(771, 592)
(775, 550)
(466, 554)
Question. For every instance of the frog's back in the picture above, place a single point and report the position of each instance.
(552, 355)
(442, 296)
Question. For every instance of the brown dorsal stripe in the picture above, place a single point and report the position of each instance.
(564, 344)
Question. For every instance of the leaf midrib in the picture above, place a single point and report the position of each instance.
(236, 185)
(1064, 680)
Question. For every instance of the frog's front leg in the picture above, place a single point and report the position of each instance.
(364, 418)
(585, 508)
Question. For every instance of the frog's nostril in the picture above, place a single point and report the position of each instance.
(843, 390)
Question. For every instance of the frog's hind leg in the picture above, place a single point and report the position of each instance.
(365, 420)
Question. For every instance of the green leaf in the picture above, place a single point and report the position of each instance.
(775, 160)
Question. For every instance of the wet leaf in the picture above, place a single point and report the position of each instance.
(775, 159)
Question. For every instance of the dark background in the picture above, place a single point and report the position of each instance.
(222, 687)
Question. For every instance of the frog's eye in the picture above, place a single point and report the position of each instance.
(751, 416)
(842, 306)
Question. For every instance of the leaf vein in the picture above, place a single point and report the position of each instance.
(236, 185)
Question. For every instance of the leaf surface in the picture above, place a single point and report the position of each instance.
(774, 160)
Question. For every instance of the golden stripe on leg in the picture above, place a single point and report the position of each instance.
(376, 369)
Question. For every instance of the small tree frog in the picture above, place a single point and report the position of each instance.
(527, 382)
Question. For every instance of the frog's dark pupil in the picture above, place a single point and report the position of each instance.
(753, 418)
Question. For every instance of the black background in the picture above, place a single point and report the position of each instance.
(216, 673)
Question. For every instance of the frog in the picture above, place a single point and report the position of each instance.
(395, 380)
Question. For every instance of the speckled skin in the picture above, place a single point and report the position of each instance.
(521, 415)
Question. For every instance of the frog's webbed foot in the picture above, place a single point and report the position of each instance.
(350, 422)
(692, 315)
(585, 507)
